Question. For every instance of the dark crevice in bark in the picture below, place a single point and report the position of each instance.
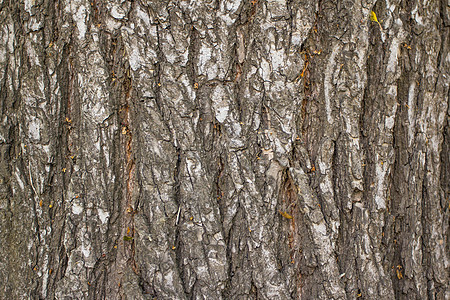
(219, 192)
(395, 217)
(253, 290)
(157, 85)
(3, 89)
(63, 128)
(227, 291)
(130, 166)
(342, 243)
(192, 56)
(117, 189)
(445, 170)
(178, 243)
(119, 82)
(426, 257)
(290, 227)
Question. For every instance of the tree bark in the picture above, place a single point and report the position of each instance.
(224, 149)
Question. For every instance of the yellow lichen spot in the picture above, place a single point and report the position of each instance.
(41, 203)
(124, 130)
(304, 69)
(115, 247)
(159, 83)
(128, 230)
(50, 206)
(191, 218)
(285, 214)
(173, 247)
(399, 272)
(50, 271)
(68, 120)
(373, 18)
(64, 170)
(196, 85)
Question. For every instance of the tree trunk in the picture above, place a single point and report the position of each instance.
(224, 149)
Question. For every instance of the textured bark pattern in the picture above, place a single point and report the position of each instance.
(224, 149)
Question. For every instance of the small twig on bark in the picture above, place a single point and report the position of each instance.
(31, 179)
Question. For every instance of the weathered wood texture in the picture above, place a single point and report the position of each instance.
(224, 149)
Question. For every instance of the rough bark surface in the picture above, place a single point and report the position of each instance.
(224, 149)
